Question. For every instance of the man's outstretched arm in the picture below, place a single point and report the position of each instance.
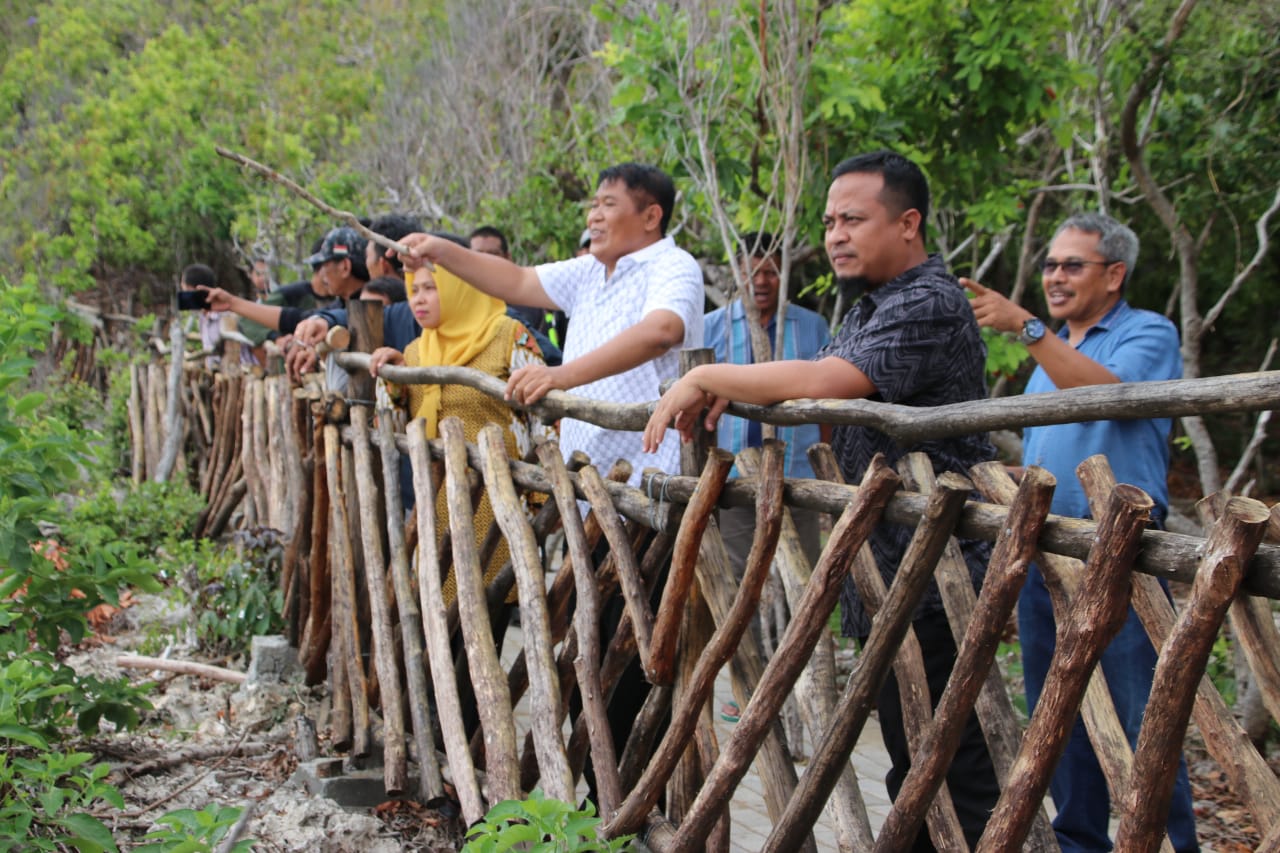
(496, 276)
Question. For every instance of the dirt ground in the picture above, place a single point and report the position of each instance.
(212, 742)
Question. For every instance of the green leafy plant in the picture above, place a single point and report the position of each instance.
(45, 793)
(543, 825)
(235, 593)
(190, 831)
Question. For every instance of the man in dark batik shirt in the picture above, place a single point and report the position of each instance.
(910, 339)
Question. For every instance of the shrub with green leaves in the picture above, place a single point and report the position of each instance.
(192, 831)
(235, 593)
(542, 825)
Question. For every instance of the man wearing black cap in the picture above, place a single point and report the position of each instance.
(341, 265)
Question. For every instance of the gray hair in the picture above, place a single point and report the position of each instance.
(1116, 241)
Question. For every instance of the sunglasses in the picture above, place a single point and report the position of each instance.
(1071, 268)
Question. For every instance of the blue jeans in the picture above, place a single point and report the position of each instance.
(1079, 787)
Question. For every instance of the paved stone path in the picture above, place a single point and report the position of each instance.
(751, 824)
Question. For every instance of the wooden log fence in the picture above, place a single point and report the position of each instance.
(364, 583)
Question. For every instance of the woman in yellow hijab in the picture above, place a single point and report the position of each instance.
(462, 327)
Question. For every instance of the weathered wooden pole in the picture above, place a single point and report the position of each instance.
(1095, 619)
(996, 715)
(1007, 570)
(493, 699)
(394, 757)
(439, 654)
(1225, 739)
(850, 532)
(544, 703)
(346, 635)
(1145, 808)
(604, 757)
(816, 686)
(684, 556)
(407, 606)
(723, 642)
(890, 626)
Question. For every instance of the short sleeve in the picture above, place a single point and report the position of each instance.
(1145, 349)
(909, 343)
(676, 286)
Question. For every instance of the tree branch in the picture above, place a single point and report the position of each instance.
(1264, 243)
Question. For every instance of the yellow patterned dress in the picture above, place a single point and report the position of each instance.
(510, 348)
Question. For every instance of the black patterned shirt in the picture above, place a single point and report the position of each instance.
(916, 339)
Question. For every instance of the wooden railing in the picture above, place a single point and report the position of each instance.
(360, 579)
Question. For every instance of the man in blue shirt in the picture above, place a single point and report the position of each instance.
(727, 331)
(1102, 340)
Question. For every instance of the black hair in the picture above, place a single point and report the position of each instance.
(198, 275)
(490, 231)
(395, 226)
(445, 235)
(315, 250)
(389, 286)
(760, 244)
(905, 186)
(648, 184)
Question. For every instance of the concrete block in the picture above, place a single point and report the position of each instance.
(271, 659)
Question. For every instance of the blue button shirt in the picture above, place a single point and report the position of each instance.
(1137, 346)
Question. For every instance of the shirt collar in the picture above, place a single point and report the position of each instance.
(1115, 315)
(642, 256)
(932, 265)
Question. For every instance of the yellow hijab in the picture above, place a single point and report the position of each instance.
(468, 321)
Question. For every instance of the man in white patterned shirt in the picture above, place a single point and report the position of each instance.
(634, 302)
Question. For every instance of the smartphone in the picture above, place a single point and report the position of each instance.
(193, 300)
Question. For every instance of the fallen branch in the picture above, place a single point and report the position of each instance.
(184, 667)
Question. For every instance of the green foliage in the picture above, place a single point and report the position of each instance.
(44, 793)
(152, 515)
(1005, 354)
(236, 593)
(543, 825)
(1221, 668)
(190, 831)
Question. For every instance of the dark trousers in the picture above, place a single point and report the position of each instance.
(971, 778)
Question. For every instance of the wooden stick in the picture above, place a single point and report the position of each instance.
(1145, 809)
(493, 699)
(346, 619)
(587, 626)
(854, 527)
(1007, 570)
(439, 654)
(622, 648)
(183, 667)
(346, 216)
(691, 704)
(137, 432)
(315, 642)
(890, 626)
(685, 554)
(174, 415)
(1096, 617)
(545, 699)
(817, 685)
(1225, 739)
(1245, 392)
(625, 560)
(411, 636)
(1166, 555)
